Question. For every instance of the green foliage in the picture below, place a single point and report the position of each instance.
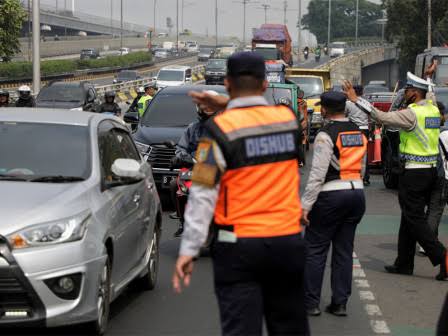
(343, 19)
(24, 69)
(11, 18)
(407, 24)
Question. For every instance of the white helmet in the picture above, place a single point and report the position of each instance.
(140, 89)
(24, 88)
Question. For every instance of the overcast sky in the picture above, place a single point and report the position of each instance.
(198, 14)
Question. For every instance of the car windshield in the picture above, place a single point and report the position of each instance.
(217, 64)
(441, 77)
(311, 86)
(171, 75)
(375, 89)
(44, 150)
(170, 110)
(127, 75)
(205, 50)
(61, 93)
(86, 51)
(267, 53)
(274, 94)
(442, 96)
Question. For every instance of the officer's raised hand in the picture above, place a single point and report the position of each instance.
(349, 91)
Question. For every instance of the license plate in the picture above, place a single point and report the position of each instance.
(166, 180)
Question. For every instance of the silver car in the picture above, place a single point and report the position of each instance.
(80, 217)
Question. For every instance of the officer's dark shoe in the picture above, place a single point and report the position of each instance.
(174, 215)
(395, 270)
(366, 182)
(179, 231)
(313, 311)
(443, 274)
(337, 309)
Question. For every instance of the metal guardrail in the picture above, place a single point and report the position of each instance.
(127, 90)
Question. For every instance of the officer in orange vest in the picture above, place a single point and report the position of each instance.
(333, 204)
(247, 182)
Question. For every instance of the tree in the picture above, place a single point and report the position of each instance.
(407, 25)
(11, 19)
(342, 19)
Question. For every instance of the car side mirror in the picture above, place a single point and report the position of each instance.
(130, 118)
(126, 171)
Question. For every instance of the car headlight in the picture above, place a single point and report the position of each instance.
(51, 233)
(143, 148)
(76, 109)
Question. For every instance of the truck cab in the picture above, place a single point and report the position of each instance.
(313, 82)
(426, 58)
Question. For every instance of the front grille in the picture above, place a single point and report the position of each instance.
(160, 156)
(13, 295)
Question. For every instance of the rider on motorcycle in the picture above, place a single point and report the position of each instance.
(186, 148)
(109, 104)
(318, 51)
(4, 98)
(25, 97)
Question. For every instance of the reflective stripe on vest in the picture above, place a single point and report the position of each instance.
(142, 104)
(421, 144)
(350, 147)
(259, 192)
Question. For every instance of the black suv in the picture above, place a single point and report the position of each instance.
(89, 54)
(68, 95)
(215, 71)
(165, 120)
(391, 140)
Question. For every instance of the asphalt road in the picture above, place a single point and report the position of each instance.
(401, 304)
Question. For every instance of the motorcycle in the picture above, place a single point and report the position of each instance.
(326, 51)
(305, 53)
(317, 58)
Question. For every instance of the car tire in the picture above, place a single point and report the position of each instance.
(99, 326)
(149, 280)
(390, 179)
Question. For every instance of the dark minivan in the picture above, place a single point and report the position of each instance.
(89, 54)
(165, 120)
(80, 96)
(215, 71)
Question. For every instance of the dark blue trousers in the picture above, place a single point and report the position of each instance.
(333, 220)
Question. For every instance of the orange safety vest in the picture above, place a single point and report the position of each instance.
(259, 192)
(350, 146)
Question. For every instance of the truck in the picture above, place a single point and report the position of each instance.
(426, 58)
(168, 45)
(313, 82)
(273, 42)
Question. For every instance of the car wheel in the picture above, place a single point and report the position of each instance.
(149, 280)
(390, 179)
(99, 326)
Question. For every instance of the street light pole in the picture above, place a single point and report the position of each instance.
(121, 24)
(155, 6)
(177, 25)
(36, 46)
(329, 23)
(112, 18)
(357, 22)
(216, 23)
(429, 24)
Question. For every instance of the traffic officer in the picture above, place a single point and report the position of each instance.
(247, 181)
(150, 91)
(360, 118)
(134, 105)
(333, 204)
(4, 98)
(419, 138)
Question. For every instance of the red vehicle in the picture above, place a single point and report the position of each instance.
(273, 42)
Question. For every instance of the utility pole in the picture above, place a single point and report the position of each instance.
(299, 31)
(429, 24)
(155, 6)
(357, 23)
(29, 30)
(121, 24)
(177, 25)
(329, 24)
(244, 2)
(285, 9)
(65, 13)
(112, 18)
(182, 16)
(36, 46)
(216, 23)
(265, 7)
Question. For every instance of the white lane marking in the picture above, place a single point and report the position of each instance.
(367, 297)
